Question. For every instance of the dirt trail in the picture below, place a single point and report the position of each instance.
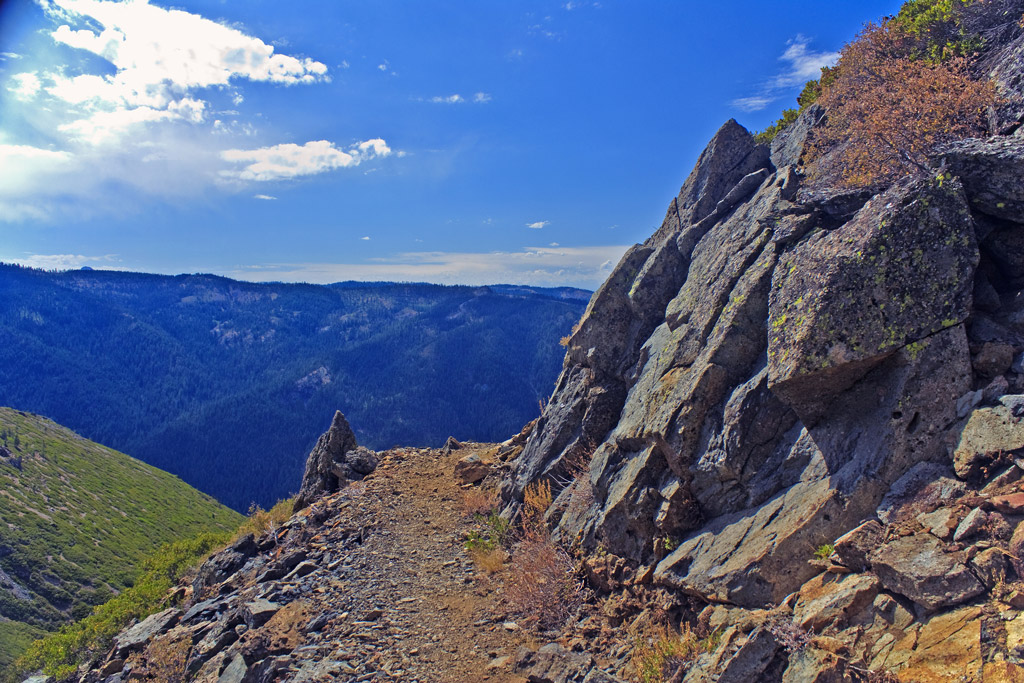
(407, 603)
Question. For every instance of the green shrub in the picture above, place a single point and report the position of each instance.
(60, 653)
(492, 535)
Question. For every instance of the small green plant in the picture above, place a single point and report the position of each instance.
(824, 551)
(492, 535)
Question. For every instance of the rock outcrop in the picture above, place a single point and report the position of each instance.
(783, 366)
(334, 461)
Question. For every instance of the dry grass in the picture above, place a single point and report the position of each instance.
(542, 583)
(261, 521)
(166, 658)
(479, 501)
(490, 561)
(659, 656)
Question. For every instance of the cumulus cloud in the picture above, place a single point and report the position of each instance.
(265, 197)
(538, 224)
(134, 106)
(801, 65)
(538, 266)
(25, 86)
(282, 162)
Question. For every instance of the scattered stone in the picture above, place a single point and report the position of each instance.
(828, 601)
(993, 359)
(852, 548)
(941, 523)
(972, 524)
(989, 434)
(990, 566)
(1011, 504)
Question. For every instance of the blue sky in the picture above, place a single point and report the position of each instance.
(457, 142)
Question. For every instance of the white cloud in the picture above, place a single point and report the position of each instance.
(282, 162)
(538, 224)
(450, 99)
(134, 107)
(539, 266)
(456, 98)
(25, 85)
(9, 55)
(159, 57)
(365, 239)
(802, 65)
(21, 166)
(755, 103)
(265, 197)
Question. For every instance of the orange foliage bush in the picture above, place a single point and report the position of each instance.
(888, 111)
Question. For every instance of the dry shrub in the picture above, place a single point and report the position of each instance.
(888, 111)
(536, 501)
(479, 501)
(261, 521)
(541, 584)
(166, 659)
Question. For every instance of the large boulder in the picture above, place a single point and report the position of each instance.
(845, 300)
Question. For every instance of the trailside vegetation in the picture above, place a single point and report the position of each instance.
(902, 87)
(60, 654)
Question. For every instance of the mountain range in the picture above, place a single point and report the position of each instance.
(227, 384)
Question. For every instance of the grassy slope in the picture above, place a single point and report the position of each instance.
(76, 519)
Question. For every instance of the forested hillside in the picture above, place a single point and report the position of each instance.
(76, 519)
(227, 384)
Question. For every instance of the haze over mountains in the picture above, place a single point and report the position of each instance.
(227, 384)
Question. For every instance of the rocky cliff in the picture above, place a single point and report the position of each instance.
(782, 362)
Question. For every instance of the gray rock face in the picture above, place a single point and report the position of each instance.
(788, 145)
(137, 636)
(330, 464)
(844, 300)
(762, 387)
(991, 171)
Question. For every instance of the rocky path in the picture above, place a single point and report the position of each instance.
(409, 603)
(371, 583)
